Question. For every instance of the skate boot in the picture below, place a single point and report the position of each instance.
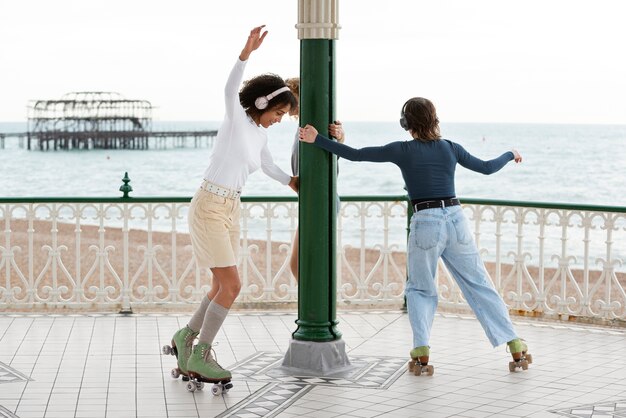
(418, 364)
(521, 357)
(182, 344)
(202, 367)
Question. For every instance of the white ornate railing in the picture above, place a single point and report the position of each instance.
(564, 260)
(97, 253)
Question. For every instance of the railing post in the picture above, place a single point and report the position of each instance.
(126, 189)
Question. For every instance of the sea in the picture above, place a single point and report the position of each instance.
(579, 164)
(583, 164)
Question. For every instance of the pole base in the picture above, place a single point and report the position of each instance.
(316, 358)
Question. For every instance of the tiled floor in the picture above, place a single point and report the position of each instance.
(111, 366)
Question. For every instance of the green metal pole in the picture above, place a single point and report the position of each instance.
(317, 198)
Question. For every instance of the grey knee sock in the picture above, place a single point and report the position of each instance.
(195, 323)
(213, 320)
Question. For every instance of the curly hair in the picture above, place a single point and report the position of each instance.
(421, 118)
(260, 86)
(294, 85)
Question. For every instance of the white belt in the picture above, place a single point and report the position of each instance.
(219, 190)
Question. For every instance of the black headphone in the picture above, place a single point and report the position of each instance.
(403, 121)
(262, 102)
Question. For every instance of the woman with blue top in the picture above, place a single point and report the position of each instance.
(439, 227)
(239, 150)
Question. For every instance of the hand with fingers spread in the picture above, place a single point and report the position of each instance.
(255, 39)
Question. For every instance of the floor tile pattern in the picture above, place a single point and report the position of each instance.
(10, 375)
(367, 371)
(268, 402)
(5, 413)
(610, 409)
(111, 366)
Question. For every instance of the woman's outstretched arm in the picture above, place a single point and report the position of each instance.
(231, 90)
(254, 41)
(468, 161)
(387, 153)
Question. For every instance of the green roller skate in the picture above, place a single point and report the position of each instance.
(202, 367)
(521, 357)
(182, 344)
(418, 364)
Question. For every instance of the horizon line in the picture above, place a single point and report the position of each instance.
(394, 121)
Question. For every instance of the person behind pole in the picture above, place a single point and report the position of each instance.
(240, 149)
(336, 131)
(439, 227)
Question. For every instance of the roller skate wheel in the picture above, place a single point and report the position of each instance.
(175, 373)
(167, 350)
(417, 370)
(524, 365)
(216, 390)
(529, 358)
(411, 365)
(512, 366)
(430, 370)
(228, 386)
(191, 386)
(199, 385)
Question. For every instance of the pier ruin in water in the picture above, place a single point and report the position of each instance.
(100, 120)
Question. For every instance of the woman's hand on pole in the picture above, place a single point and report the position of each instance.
(255, 39)
(517, 156)
(335, 130)
(294, 183)
(308, 134)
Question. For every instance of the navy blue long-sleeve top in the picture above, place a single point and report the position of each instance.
(427, 166)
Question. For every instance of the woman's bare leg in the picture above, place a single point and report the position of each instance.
(226, 285)
(215, 287)
(293, 262)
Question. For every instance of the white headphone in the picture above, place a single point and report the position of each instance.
(262, 102)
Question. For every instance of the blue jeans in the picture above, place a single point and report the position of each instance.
(445, 233)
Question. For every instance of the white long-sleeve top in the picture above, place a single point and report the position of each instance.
(241, 146)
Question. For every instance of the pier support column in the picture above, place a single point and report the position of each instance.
(317, 346)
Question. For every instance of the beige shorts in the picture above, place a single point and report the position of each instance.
(214, 229)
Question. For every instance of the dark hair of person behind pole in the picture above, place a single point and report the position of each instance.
(264, 85)
(421, 118)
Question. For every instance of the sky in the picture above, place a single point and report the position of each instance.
(534, 61)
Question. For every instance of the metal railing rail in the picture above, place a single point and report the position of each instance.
(117, 253)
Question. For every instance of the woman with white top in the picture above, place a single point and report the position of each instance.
(240, 149)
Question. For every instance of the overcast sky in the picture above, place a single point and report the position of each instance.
(545, 61)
